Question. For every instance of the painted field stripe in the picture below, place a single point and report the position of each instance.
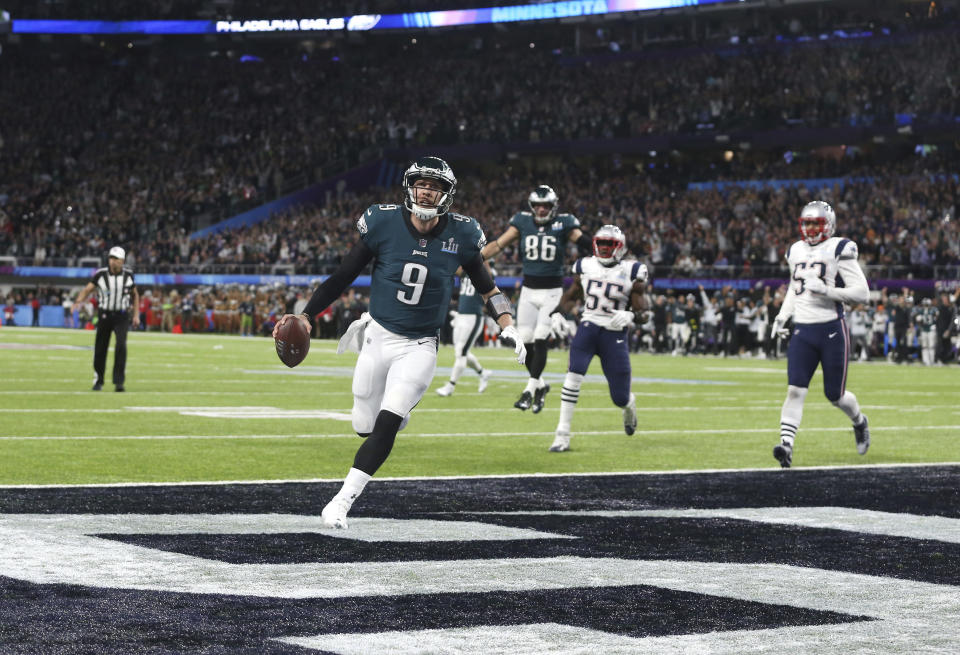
(352, 435)
(489, 476)
(262, 412)
(892, 524)
(909, 616)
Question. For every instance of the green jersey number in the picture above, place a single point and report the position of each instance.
(535, 248)
(415, 277)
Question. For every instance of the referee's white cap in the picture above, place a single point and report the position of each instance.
(118, 252)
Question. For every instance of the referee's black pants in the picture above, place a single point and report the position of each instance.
(111, 322)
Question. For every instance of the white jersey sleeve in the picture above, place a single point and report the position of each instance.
(606, 289)
(835, 262)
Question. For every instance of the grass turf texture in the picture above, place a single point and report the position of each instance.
(694, 413)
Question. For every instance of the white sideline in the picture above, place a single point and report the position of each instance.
(504, 476)
(353, 435)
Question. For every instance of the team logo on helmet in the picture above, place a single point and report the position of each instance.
(543, 196)
(817, 222)
(609, 245)
(432, 168)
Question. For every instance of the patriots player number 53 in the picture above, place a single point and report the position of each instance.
(802, 279)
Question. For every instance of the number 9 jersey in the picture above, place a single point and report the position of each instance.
(606, 289)
(834, 262)
(413, 273)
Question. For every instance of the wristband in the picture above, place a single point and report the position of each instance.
(498, 305)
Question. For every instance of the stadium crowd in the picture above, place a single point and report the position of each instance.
(728, 322)
(134, 146)
(899, 221)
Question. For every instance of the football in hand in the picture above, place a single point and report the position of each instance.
(293, 342)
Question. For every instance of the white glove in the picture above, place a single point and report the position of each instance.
(815, 285)
(621, 319)
(778, 327)
(453, 314)
(559, 326)
(510, 333)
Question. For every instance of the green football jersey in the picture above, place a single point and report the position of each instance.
(926, 318)
(412, 279)
(470, 301)
(542, 247)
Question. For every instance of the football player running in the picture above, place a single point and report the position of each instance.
(416, 248)
(543, 235)
(825, 275)
(613, 294)
(467, 326)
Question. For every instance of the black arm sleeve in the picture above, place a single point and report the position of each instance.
(479, 275)
(351, 266)
(585, 243)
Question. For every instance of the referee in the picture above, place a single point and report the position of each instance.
(116, 292)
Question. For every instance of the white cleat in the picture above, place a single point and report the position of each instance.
(560, 443)
(630, 416)
(484, 380)
(334, 515)
(446, 390)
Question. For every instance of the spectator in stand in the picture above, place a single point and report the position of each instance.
(946, 318)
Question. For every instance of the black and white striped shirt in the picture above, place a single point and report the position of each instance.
(113, 291)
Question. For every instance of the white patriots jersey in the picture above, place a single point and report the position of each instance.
(606, 289)
(825, 260)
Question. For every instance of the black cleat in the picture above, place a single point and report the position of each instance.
(539, 396)
(784, 454)
(862, 434)
(524, 402)
(97, 386)
(119, 388)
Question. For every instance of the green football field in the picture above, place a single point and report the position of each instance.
(214, 407)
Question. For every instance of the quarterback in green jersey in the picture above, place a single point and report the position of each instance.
(416, 248)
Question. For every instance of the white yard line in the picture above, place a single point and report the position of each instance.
(505, 476)
(353, 435)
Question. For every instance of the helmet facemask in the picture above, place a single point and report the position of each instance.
(541, 197)
(428, 168)
(609, 245)
(817, 222)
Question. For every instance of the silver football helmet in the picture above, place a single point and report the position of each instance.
(432, 168)
(609, 245)
(543, 195)
(817, 222)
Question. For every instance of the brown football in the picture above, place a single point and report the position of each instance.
(293, 342)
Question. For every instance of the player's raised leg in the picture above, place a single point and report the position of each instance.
(410, 365)
(527, 314)
(615, 359)
(836, 358)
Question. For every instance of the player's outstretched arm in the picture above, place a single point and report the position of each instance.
(82, 297)
(351, 266)
(583, 240)
(495, 247)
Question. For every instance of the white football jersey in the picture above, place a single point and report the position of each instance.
(606, 289)
(829, 260)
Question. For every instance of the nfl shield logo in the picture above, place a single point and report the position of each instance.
(423, 243)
